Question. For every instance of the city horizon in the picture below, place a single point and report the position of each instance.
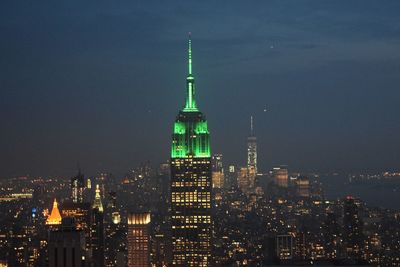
(268, 137)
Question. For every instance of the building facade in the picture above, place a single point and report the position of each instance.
(81, 213)
(243, 181)
(281, 176)
(139, 240)
(77, 187)
(67, 246)
(352, 228)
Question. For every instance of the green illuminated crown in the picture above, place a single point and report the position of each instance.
(191, 135)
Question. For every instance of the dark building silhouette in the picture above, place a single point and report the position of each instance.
(82, 215)
(66, 246)
(97, 231)
(77, 187)
(331, 233)
(352, 228)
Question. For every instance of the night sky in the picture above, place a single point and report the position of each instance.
(101, 82)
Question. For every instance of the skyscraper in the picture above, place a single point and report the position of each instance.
(243, 180)
(216, 163)
(281, 176)
(218, 177)
(191, 183)
(77, 187)
(284, 247)
(97, 200)
(252, 154)
(231, 177)
(331, 235)
(67, 246)
(55, 217)
(138, 240)
(113, 230)
(352, 228)
(81, 213)
(302, 186)
(97, 230)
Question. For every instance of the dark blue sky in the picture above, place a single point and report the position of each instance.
(101, 82)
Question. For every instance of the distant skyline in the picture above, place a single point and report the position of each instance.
(101, 83)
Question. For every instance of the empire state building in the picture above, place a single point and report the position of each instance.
(191, 182)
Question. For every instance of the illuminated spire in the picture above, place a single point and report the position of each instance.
(191, 135)
(190, 54)
(190, 101)
(97, 200)
(55, 217)
(251, 126)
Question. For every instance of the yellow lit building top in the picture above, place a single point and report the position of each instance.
(97, 200)
(55, 216)
(139, 218)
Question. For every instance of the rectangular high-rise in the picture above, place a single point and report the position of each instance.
(67, 246)
(138, 240)
(281, 176)
(218, 177)
(81, 213)
(77, 187)
(352, 228)
(191, 184)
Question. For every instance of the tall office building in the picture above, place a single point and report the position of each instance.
(302, 186)
(78, 187)
(97, 230)
(159, 254)
(284, 247)
(218, 180)
(243, 180)
(216, 163)
(97, 200)
(113, 231)
(191, 183)
(67, 246)
(352, 228)
(81, 213)
(281, 176)
(331, 234)
(252, 153)
(218, 177)
(231, 177)
(138, 240)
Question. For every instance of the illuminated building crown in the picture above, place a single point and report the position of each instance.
(97, 200)
(191, 135)
(55, 216)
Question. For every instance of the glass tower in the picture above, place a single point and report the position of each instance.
(252, 150)
(251, 156)
(191, 183)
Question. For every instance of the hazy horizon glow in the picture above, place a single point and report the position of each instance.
(101, 83)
